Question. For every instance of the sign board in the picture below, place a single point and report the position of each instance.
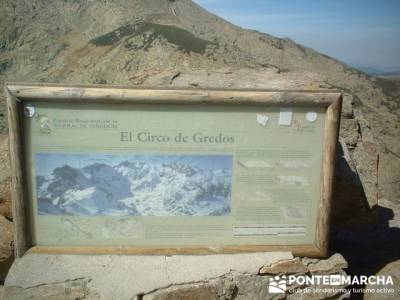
(121, 170)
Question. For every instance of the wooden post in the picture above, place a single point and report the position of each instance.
(19, 205)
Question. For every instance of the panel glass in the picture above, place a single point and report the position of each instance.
(172, 175)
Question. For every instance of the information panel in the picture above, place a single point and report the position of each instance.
(152, 175)
(181, 169)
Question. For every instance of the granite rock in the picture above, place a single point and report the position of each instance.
(347, 106)
(290, 266)
(75, 289)
(334, 264)
(6, 251)
(387, 291)
(5, 178)
(193, 292)
(349, 132)
(125, 277)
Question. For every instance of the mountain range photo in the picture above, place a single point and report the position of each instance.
(137, 185)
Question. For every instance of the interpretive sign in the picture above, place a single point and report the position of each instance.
(170, 170)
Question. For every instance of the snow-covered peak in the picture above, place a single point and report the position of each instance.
(147, 188)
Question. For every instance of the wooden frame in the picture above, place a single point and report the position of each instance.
(18, 93)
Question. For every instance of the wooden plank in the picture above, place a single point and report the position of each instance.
(178, 96)
(332, 125)
(19, 207)
(298, 250)
(167, 87)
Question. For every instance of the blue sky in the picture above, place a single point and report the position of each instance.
(358, 32)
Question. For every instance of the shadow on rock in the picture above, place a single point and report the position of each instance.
(370, 248)
(367, 249)
(361, 233)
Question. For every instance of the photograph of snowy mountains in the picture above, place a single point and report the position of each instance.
(133, 185)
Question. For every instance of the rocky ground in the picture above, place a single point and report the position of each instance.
(177, 43)
(217, 277)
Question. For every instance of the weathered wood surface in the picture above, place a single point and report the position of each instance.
(179, 96)
(331, 134)
(19, 207)
(298, 250)
(17, 93)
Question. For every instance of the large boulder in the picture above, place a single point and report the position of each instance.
(5, 178)
(237, 276)
(356, 190)
(6, 236)
(386, 291)
(6, 250)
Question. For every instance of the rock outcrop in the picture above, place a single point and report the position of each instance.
(238, 276)
(6, 238)
(5, 178)
(177, 43)
(392, 270)
(6, 250)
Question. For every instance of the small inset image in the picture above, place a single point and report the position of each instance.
(293, 164)
(254, 164)
(133, 185)
(121, 228)
(293, 180)
(258, 196)
(292, 212)
(44, 123)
